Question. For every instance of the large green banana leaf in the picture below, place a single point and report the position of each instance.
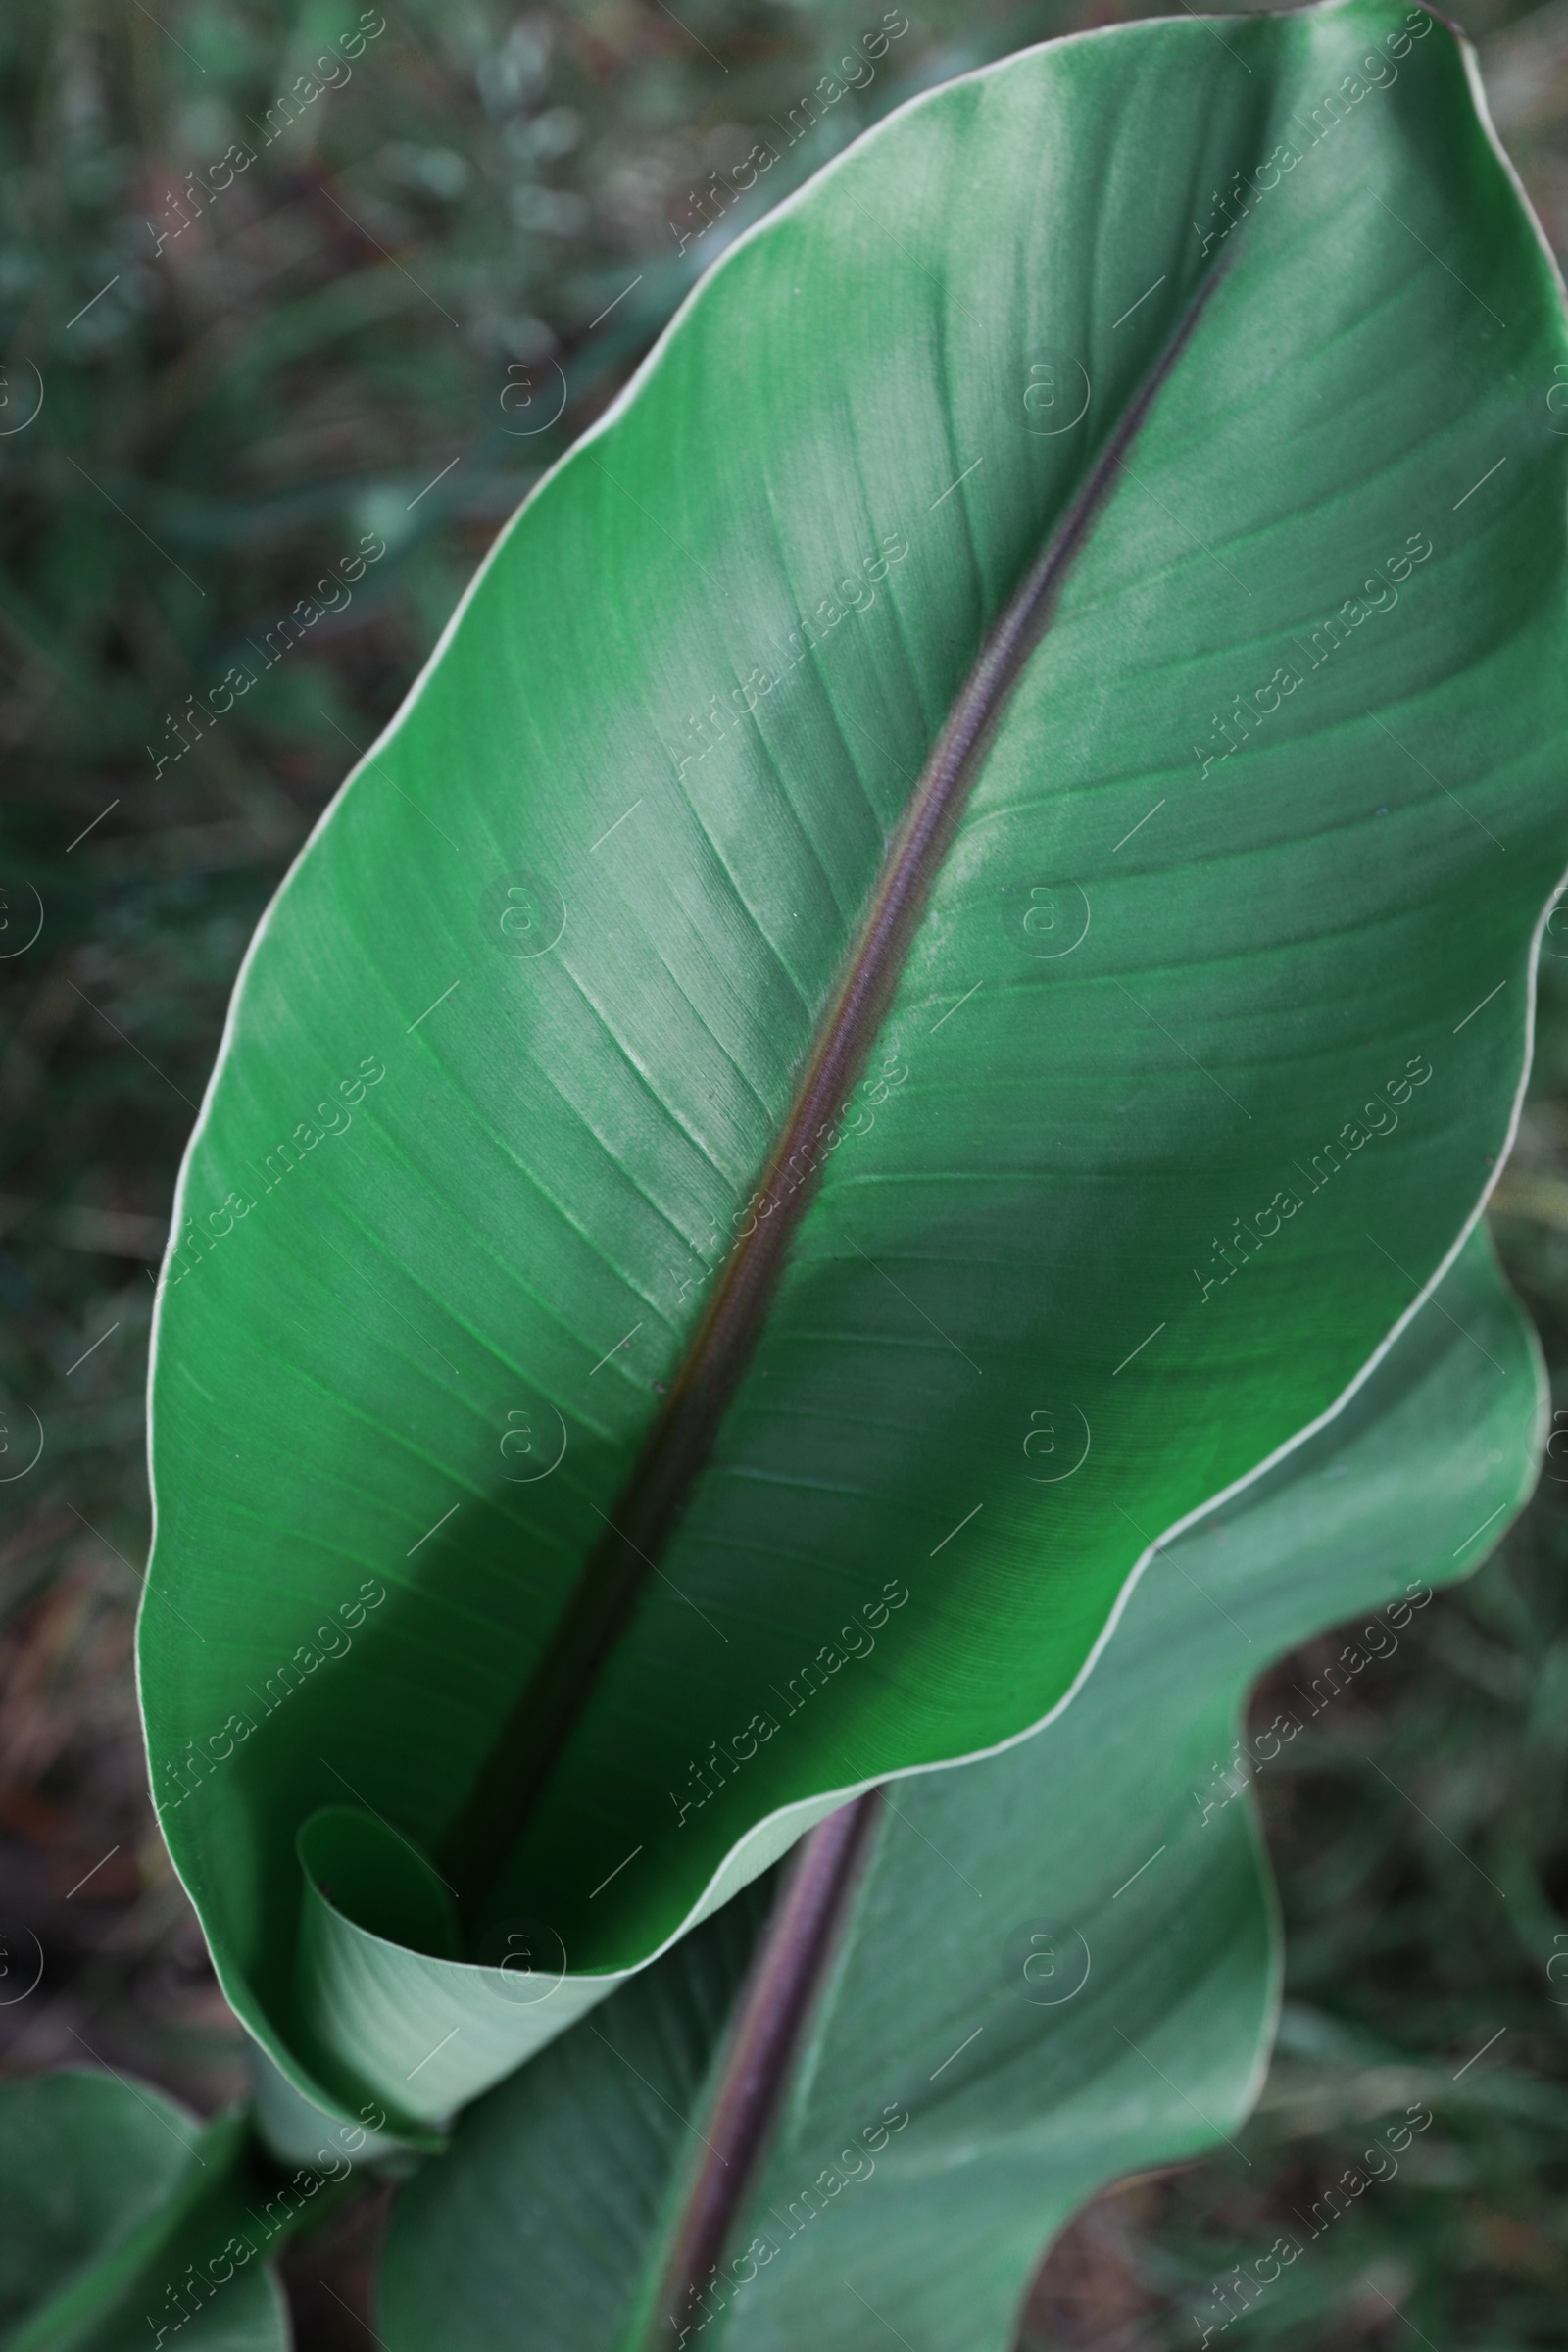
(1021, 760)
(127, 2223)
(1060, 1966)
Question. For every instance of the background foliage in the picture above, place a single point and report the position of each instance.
(363, 334)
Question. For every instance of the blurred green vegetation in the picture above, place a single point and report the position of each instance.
(458, 226)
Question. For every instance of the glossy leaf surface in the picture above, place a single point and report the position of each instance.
(1201, 1039)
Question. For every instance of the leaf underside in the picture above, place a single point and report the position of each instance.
(1061, 1964)
(112, 2195)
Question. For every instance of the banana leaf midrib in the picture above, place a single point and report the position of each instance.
(799, 1945)
(676, 1451)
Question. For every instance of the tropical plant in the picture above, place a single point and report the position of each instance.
(838, 1194)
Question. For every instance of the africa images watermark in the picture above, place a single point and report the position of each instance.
(187, 1772)
(858, 2163)
(1327, 115)
(190, 2293)
(804, 1684)
(859, 595)
(1381, 595)
(333, 594)
(859, 72)
(865, 1099)
(1337, 2199)
(1380, 1115)
(1376, 1641)
(200, 1236)
(239, 157)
